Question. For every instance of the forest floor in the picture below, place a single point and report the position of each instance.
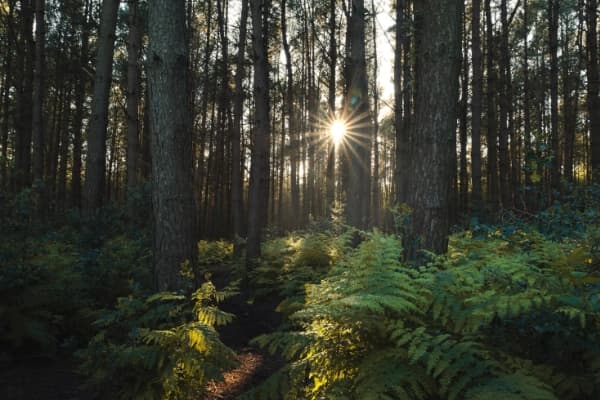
(56, 377)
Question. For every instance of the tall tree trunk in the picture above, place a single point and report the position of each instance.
(553, 15)
(437, 27)
(528, 151)
(492, 123)
(24, 89)
(503, 154)
(375, 207)
(358, 148)
(237, 190)
(476, 107)
(259, 188)
(464, 174)
(593, 77)
(330, 172)
(96, 154)
(38, 102)
(8, 78)
(134, 40)
(80, 89)
(173, 198)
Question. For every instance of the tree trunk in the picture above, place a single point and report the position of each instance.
(24, 95)
(593, 100)
(38, 103)
(357, 148)
(259, 183)
(492, 123)
(553, 11)
(80, 86)
(237, 190)
(476, 107)
(96, 154)
(375, 207)
(8, 78)
(437, 27)
(134, 40)
(503, 154)
(330, 172)
(173, 199)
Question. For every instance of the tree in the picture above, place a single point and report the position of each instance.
(476, 106)
(593, 90)
(38, 95)
(133, 92)
(358, 148)
(237, 194)
(437, 30)
(172, 193)
(259, 170)
(96, 155)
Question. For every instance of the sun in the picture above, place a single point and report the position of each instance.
(337, 131)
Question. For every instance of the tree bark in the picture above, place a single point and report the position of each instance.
(38, 101)
(476, 107)
(259, 183)
(237, 198)
(553, 11)
(492, 123)
(357, 149)
(134, 40)
(593, 101)
(172, 194)
(437, 27)
(80, 89)
(96, 154)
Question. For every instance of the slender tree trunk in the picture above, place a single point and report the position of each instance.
(593, 77)
(492, 123)
(375, 183)
(464, 174)
(8, 78)
(96, 154)
(134, 40)
(437, 27)
(503, 153)
(173, 198)
(553, 16)
(24, 89)
(38, 103)
(330, 173)
(260, 152)
(237, 193)
(476, 107)
(80, 86)
(528, 151)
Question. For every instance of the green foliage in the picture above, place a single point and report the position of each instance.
(164, 346)
(287, 264)
(504, 316)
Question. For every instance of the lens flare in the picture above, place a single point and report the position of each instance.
(338, 131)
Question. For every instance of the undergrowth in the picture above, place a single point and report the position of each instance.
(511, 317)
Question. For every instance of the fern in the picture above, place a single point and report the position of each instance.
(374, 328)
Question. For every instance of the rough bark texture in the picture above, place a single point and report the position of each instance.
(437, 27)
(257, 205)
(133, 93)
(357, 148)
(96, 155)
(173, 201)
